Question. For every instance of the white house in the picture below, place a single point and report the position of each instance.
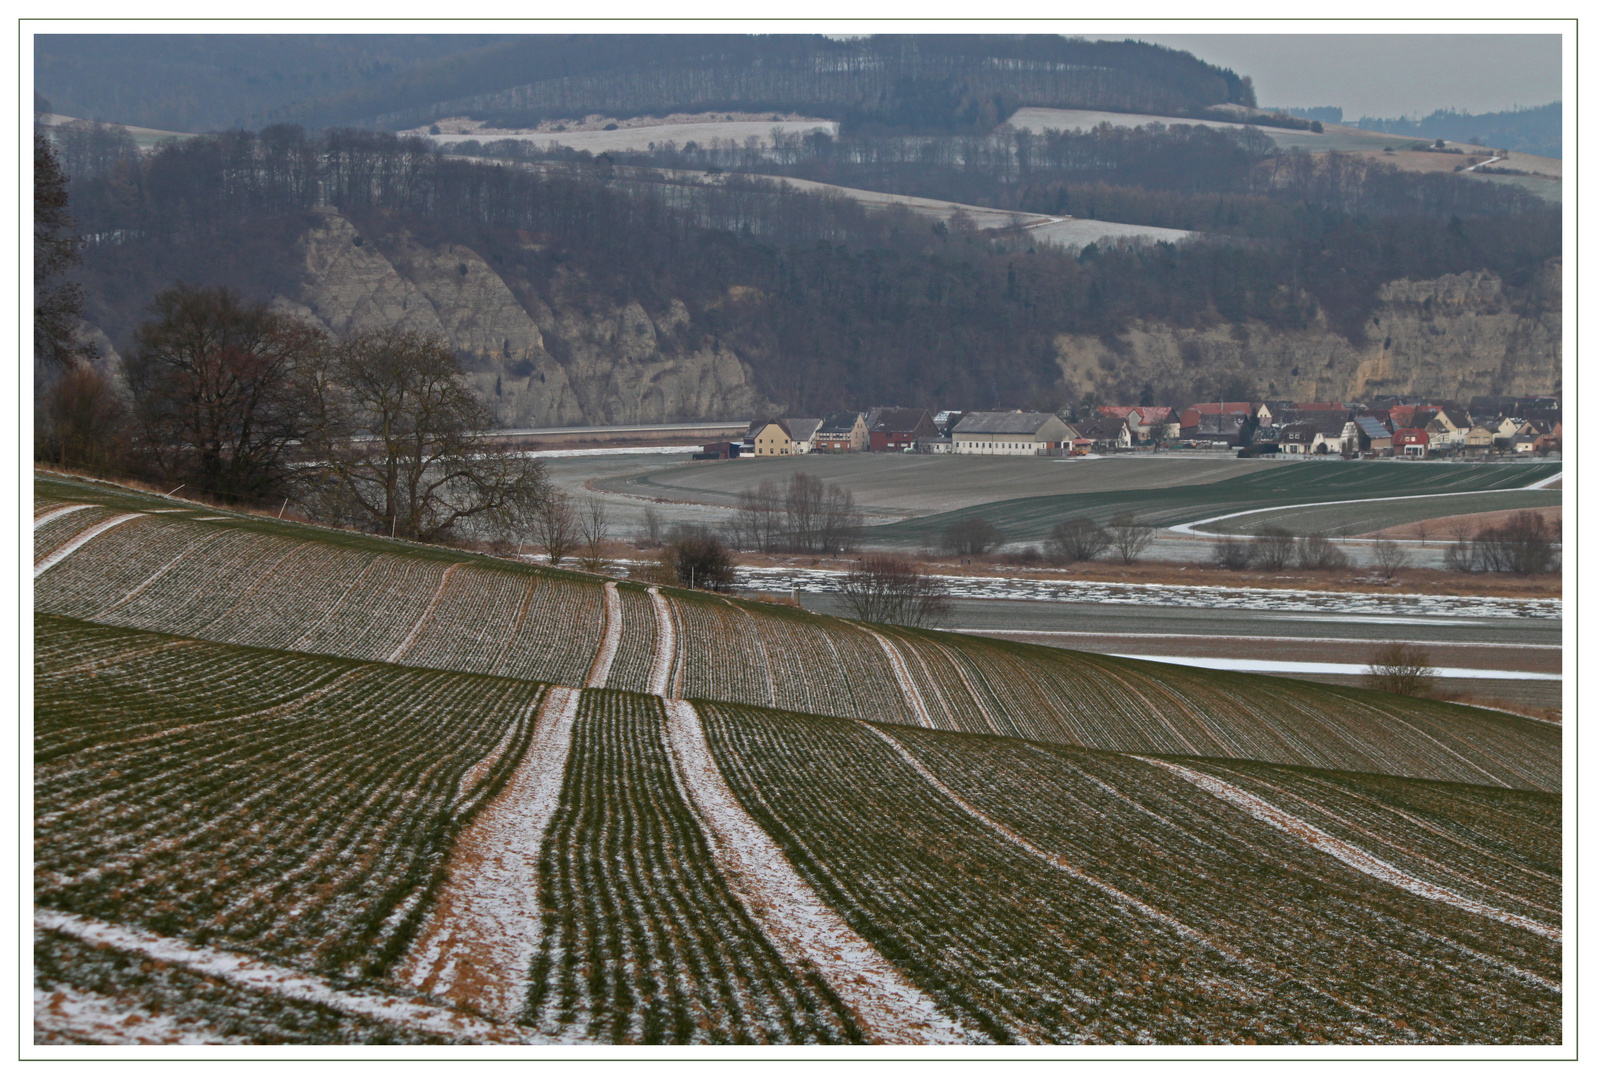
(1019, 434)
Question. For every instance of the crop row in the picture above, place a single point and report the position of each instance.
(310, 824)
(1445, 843)
(634, 658)
(1167, 914)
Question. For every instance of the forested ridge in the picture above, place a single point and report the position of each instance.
(828, 302)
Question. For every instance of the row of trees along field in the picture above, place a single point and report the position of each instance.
(850, 304)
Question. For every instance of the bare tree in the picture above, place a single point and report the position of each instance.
(594, 525)
(889, 589)
(215, 383)
(57, 302)
(1317, 551)
(1389, 557)
(396, 438)
(839, 521)
(1077, 540)
(972, 536)
(1400, 667)
(1233, 553)
(1521, 545)
(81, 421)
(1273, 548)
(803, 502)
(758, 521)
(1128, 537)
(554, 525)
(702, 561)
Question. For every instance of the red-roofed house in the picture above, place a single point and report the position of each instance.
(1410, 442)
(1192, 413)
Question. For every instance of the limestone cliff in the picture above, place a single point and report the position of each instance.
(1455, 336)
(616, 363)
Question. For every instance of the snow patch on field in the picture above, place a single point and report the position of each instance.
(1344, 852)
(59, 512)
(906, 682)
(781, 579)
(69, 1015)
(260, 976)
(794, 919)
(1307, 667)
(79, 540)
(599, 673)
(478, 944)
(665, 645)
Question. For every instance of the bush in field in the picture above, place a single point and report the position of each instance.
(1389, 558)
(701, 561)
(888, 589)
(1233, 553)
(1317, 552)
(973, 536)
(1521, 545)
(1077, 540)
(1399, 667)
(1273, 548)
(1128, 537)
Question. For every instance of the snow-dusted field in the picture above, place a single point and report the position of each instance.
(645, 138)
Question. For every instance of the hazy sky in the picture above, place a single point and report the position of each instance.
(1387, 74)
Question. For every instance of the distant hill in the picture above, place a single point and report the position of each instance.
(937, 82)
(1538, 130)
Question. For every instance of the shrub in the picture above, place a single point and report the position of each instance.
(1128, 537)
(1233, 553)
(973, 536)
(1317, 552)
(1521, 545)
(701, 561)
(1273, 548)
(1399, 667)
(1077, 540)
(888, 589)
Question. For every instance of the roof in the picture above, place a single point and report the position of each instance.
(838, 424)
(1155, 414)
(1372, 427)
(1214, 407)
(1306, 430)
(802, 428)
(760, 425)
(1002, 423)
(1122, 411)
(1410, 434)
(896, 419)
(1102, 427)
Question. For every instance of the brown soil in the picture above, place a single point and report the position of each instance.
(1447, 529)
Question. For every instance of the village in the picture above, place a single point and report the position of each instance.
(1402, 427)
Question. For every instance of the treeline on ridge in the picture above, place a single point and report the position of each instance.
(835, 304)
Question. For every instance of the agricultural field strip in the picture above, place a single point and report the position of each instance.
(426, 616)
(259, 975)
(665, 644)
(1369, 822)
(1121, 898)
(989, 632)
(483, 932)
(58, 512)
(1190, 528)
(801, 927)
(78, 541)
(600, 672)
(906, 683)
(1353, 856)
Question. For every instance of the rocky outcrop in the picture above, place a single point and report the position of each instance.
(1455, 336)
(543, 359)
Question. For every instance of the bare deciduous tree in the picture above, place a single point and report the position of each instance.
(972, 536)
(554, 525)
(1233, 553)
(653, 528)
(1389, 558)
(397, 443)
(1128, 537)
(1077, 540)
(1317, 551)
(594, 525)
(1399, 667)
(215, 381)
(1273, 548)
(889, 589)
